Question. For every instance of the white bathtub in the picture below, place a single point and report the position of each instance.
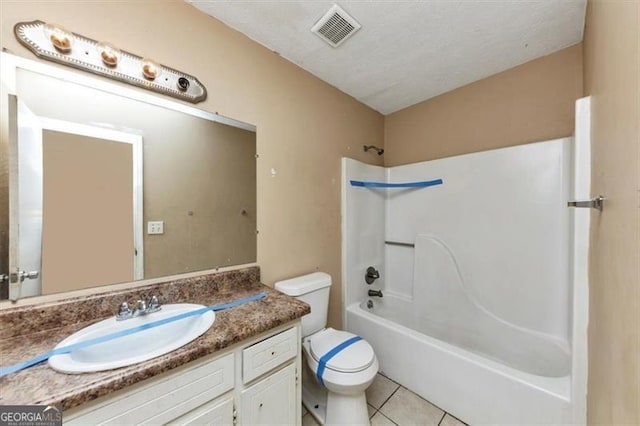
(474, 388)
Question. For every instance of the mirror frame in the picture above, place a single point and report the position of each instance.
(9, 66)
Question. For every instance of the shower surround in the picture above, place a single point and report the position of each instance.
(484, 278)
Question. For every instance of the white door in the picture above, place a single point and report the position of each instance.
(271, 401)
(25, 205)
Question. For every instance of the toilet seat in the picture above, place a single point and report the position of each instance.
(352, 359)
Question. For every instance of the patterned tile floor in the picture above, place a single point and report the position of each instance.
(391, 404)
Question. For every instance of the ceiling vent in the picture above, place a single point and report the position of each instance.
(336, 26)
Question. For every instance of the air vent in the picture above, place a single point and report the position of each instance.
(336, 26)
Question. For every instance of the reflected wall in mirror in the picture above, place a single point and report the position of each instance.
(113, 189)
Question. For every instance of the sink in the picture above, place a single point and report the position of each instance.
(133, 348)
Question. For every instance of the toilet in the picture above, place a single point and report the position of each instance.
(339, 366)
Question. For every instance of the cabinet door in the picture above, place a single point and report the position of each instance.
(218, 412)
(271, 401)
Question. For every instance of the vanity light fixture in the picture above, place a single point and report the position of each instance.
(54, 43)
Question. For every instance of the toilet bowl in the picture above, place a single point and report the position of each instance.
(346, 376)
(338, 366)
(350, 371)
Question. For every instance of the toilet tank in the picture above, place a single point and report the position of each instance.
(314, 290)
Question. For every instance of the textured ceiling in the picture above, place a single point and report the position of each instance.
(408, 51)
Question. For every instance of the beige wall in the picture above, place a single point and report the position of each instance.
(612, 73)
(87, 188)
(198, 174)
(528, 103)
(304, 125)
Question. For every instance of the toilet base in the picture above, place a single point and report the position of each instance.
(329, 408)
(314, 396)
(347, 409)
(315, 404)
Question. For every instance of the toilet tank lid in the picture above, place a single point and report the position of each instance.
(304, 284)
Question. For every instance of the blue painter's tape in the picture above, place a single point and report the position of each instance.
(111, 336)
(322, 364)
(422, 184)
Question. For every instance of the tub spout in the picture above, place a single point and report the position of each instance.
(375, 293)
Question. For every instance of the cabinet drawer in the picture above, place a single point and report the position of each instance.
(268, 354)
(166, 398)
(218, 412)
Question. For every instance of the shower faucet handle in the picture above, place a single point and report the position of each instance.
(371, 275)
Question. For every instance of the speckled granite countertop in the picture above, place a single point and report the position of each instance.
(26, 332)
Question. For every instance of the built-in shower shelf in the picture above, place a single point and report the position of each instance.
(421, 184)
(399, 243)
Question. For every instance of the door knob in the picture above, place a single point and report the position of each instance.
(23, 275)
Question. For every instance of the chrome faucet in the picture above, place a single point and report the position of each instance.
(142, 308)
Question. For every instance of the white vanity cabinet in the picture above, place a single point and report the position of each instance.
(251, 383)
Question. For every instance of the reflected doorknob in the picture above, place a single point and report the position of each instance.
(24, 275)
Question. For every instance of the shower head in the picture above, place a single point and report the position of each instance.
(380, 151)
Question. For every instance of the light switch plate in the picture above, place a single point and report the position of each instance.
(155, 228)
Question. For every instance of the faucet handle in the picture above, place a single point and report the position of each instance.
(123, 311)
(153, 305)
(371, 275)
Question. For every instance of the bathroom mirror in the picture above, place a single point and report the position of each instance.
(111, 185)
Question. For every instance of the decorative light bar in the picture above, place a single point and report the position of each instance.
(54, 43)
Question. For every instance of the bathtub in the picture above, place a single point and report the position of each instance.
(474, 388)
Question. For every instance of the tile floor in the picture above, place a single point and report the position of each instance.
(391, 404)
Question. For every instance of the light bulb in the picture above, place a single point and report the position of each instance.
(150, 68)
(109, 54)
(59, 37)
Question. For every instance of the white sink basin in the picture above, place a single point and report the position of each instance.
(133, 348)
